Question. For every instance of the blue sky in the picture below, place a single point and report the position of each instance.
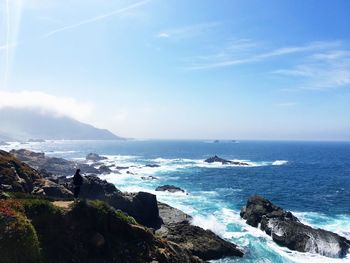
(182, 69)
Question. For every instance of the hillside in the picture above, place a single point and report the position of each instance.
(24, 124)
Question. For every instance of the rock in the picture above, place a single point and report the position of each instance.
(286, 230)
(142, 206)
(95, 157)
(49, 188)
(4, 195)
(103, 169)
(15, 175)
(170, 188)
(52, 166)
(202, 243)
(152, 165)
(216, 159)
(171, 215)
(150, 177)
(122, 167)
(87, 231)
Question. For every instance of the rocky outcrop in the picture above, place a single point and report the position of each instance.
(16, 176)
(169, 188)
(286, 230)
(216, 159)
(203, 243)
(53, 165)
(142, 206)
(95, 157)
(86, 231)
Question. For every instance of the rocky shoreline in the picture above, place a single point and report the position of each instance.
(169, 235)
(166, 233)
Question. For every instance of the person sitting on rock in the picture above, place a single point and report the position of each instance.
(77, 181)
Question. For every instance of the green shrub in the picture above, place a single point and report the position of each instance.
(18, 240)
(104, 209)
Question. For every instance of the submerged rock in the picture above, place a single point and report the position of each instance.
(152, 165)
(286, 230)
(216, 159)
(150, 177)
(169, 188)
(95, 157)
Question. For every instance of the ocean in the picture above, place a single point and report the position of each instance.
(311, 179)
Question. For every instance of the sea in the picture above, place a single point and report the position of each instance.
(311, 179)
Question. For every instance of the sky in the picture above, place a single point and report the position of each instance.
(182, 69)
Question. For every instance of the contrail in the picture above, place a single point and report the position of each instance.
(96, 18)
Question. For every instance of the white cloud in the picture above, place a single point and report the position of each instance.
(245, 51)
(60, 106)
(321, 71)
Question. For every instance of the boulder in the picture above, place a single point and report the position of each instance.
(49, 188)
(103, 169)
(286, 230)
(203, 243)
(169, 188)
(95, 157)
(216, 159)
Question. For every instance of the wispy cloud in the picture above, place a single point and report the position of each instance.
(321, 71)
(188, 31)
(46, 103)
(97, 18)
(245, 51)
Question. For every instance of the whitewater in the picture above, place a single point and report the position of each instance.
(310, 179)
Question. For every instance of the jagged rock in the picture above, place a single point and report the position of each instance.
(142, 206)
(202, 243)
(103, 169)
(16, 175)
(95, 157)
(86, 231)
(152, 165)
(170, 188)
(52, 165)
(216, 159)
(49, 188)
(286, 230)
(150, 177)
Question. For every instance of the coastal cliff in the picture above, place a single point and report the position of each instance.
(106, 226)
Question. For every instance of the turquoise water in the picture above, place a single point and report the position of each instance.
(312, 179)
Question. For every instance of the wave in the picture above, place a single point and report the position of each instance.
(279, 162)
